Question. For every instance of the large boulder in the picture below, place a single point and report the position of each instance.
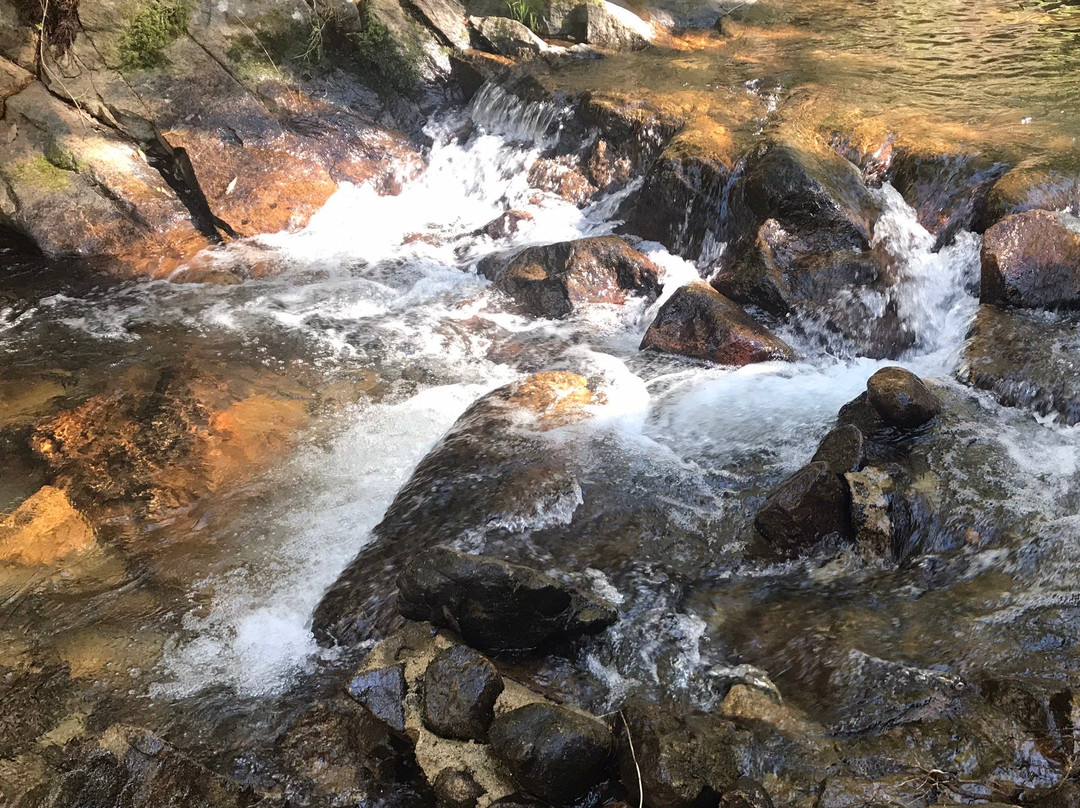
(554, 280)
(1025, 359)
(699, 322)
(497, 606)
(1032, 260)
(553, 752)
(811, 505)
(460, 690)
(901, 398)
(608, 26)
(505, 460)
(507, 37)
(674, 759)
(1045, 182)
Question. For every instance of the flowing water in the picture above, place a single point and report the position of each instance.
(199, 624)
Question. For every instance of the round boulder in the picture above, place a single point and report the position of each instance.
(901, 398)
(553, 752)
(460, 690)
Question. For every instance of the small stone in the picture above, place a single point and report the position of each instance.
(456, 788)
(901, 398)
(382, 691)
(842, 450)
(870, 509)
(804, 509)
(506, 224)
(460, 691)
(746, 793)
(553, 752)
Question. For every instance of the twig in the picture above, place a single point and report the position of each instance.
(637, 768)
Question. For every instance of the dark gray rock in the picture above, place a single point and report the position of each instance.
(494, 605)
(842, 450)
(553, 752)
(460, 690)
(699, 322)
(809, 506)
(382, 691)
(746, 793)
(901, 398)
(554, 280)
(1032, 260)
(456, 788)
(685, 760)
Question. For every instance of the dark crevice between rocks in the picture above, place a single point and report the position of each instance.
(174, 165)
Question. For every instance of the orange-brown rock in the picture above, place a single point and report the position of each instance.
(43, 530)
(699, 322)
(1032, 260)
(562, 177)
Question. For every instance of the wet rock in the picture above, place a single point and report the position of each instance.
(447, 17)
(901, 398)
(1044, 707)
(699, 322)
(340, 750)
(507, 37)
(1026, 359)
(870, 509)
(809, 506)
(554, 280)
(746, 793)
(842, 450)
(506, 224)
(685, 760)
(487, 471)
(456, 788)
(497, 606)
(43, 530)
(1032, 260)
(35, 697)
(553, 752)
(562, 177)
(460, 690)
(605, 167)
(946, 190)
(608, 26)
(1040, 183)
(382, 692)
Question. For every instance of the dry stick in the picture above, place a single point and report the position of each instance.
(637, 768)
(45, 67)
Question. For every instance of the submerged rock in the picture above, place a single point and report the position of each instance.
(901, 398)
(809, 506)
(44, 529)
(699, 322)
(1026, 359)
(553, 752)
(460, 690)
(1032, 260)
(554, 280)
(497, 606)
(684, 760)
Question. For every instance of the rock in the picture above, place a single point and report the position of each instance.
(497, 606)
(901, 398)
(554, 280)
(842, 450)
(608, 26)
(809, 506)
(504, 460)
(447, 18)
(382, 691)
(44, 529)
(1049, 182)
(460, 690)
(1043, 707)
(562, 177)
(1026, 360)
(684, 760)
(553, 752)
(699, 322)
(746, 793)
(506, 224)
(870, 510)
(507, 37)
(605, 167)
(456, 788)
(1032, 260)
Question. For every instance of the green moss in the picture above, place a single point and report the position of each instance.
(63, 159)
(40, 173)
(392, 65)
(158, 24)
